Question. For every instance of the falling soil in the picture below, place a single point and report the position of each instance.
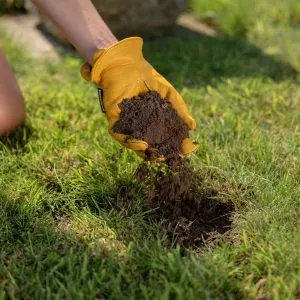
(193, 217)
(150, 118)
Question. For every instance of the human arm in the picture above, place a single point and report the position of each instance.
(80, 23)
(119, 68)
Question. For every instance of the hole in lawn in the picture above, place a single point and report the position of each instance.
(181, 207)
(194, 216)
(196, 221)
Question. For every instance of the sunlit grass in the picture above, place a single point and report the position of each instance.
(67, 231)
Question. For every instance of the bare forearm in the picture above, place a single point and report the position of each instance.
(80, 23)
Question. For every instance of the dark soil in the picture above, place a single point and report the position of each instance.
(150, 118)
(192, 214)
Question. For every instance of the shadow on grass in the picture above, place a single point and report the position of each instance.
(199, 218)
(40, 260)
(189, 58)
(17, 141)
(196, 60)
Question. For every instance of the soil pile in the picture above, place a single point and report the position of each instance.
(192, 214)
(150, 118)
(193, 217)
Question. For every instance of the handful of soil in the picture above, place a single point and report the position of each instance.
(151, 118)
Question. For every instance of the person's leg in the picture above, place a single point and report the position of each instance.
(12, 108)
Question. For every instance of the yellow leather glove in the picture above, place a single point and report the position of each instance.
(122, 72)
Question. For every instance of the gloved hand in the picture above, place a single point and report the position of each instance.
(122, 72)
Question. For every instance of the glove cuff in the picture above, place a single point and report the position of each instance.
(125, 51)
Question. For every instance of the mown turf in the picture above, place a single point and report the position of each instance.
(67, 231)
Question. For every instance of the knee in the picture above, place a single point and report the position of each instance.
(12, 108)
(11, 116)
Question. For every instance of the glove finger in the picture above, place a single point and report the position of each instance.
(145, 157)
(188, 146)
(130, 143)
(135, 144)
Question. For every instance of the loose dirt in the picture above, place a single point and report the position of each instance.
(150, 118)
(193, 217)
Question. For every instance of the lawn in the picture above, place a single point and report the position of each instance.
(67, 231)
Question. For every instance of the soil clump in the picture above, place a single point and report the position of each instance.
(151, 118)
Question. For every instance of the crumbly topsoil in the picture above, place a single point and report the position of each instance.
(192, 217)
(150, 118)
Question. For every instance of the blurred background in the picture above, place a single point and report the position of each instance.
(123, 17)
(230, 17)
(270, 24)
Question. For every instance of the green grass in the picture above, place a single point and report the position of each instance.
(66, 231)
(239, 17)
